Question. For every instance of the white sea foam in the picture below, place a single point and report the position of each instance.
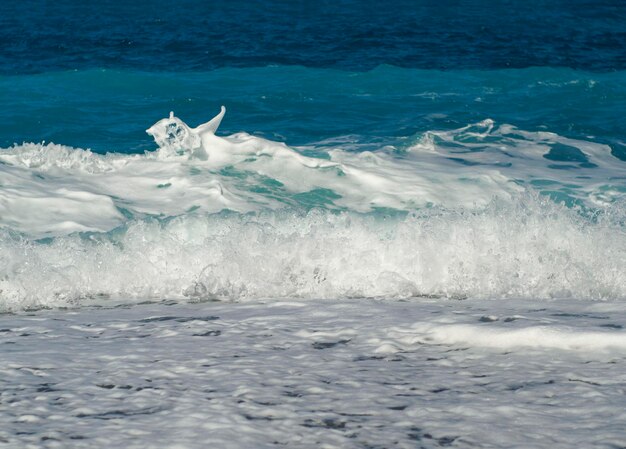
(532, 248)
(474, 335)
(310, 374)
(55, 190)
(577, 169)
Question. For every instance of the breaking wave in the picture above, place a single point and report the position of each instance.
(486, 210)
(531, 248)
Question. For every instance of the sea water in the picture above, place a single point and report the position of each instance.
(407, 227)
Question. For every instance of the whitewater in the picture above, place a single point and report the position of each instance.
(485, 211)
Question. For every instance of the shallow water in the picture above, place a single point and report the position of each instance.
(352, 373)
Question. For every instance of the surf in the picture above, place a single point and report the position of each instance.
(195, 170)
(486, 211)
(531, 248)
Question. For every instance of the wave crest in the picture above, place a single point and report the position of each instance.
(77, 190)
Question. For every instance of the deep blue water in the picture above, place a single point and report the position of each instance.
(41, 36)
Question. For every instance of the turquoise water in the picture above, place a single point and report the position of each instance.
(359, 35)
(108, 110)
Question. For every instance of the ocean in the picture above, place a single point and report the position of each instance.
(329, 224)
